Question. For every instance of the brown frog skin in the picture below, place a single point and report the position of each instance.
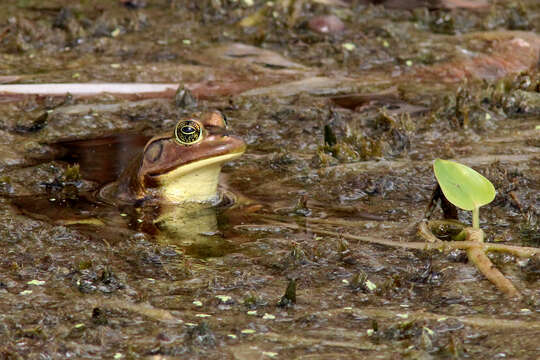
(179, 167)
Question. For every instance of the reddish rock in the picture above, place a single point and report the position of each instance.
(326, 24)
(511, 52)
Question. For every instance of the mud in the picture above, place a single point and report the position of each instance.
(342, 127)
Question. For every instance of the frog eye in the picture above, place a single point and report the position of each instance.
(188, 132)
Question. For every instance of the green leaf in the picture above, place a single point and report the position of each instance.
(463, 186)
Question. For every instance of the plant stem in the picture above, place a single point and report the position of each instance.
(476, 218)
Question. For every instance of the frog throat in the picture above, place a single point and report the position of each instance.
(194, 182)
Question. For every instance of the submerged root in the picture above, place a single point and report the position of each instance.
(425, 232)
(477, 256)
(476, 252)
(473, 244)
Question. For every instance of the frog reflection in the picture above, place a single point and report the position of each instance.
(193, 228)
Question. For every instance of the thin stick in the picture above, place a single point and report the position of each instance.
(89, 89)
(138, 308)
(432, 242)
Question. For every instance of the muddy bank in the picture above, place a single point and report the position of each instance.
(343, 105)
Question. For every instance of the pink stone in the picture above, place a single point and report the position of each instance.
(326, 24)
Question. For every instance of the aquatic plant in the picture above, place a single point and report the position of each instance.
(464, 187)
(469, 190)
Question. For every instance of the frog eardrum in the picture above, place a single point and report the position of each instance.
(188, 132)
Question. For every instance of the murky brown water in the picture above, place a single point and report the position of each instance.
(342, 129)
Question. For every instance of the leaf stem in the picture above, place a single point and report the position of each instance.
(476, 217)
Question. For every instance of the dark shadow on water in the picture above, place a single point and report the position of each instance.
(102, 159)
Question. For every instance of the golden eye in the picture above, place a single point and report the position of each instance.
(188, 132)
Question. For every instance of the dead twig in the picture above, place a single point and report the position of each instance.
(90, 89)
(142, 309)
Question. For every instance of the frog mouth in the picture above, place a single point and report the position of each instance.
(182, 159)
(220, 157)
(196, 181)
(201, 164)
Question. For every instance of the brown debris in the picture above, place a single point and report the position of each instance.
(511, 52)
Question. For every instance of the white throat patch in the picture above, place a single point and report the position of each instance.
(195, 182)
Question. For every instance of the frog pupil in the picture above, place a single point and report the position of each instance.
(188, 130)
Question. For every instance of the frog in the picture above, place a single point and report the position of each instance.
(178, 167)
(169, 190)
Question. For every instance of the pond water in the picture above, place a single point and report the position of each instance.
(343, 106)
